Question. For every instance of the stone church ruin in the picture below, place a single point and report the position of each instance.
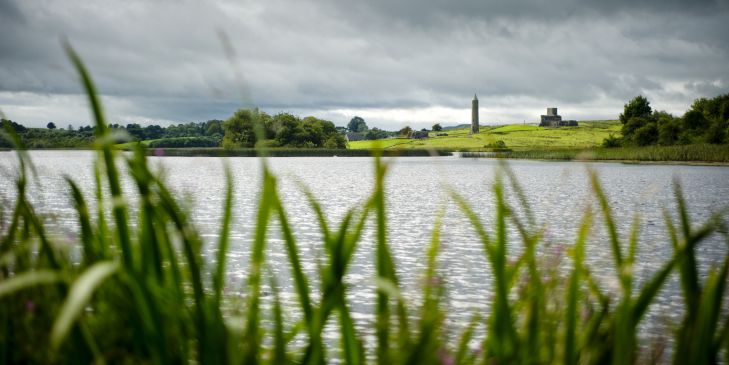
(552, 119)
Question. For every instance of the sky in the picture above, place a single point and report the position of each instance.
(393, 63)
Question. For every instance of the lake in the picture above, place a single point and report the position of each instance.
(417, 188)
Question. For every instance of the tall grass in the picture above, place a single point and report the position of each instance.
(682, 153)
(144, 294)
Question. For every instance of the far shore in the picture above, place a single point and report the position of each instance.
(695, 155)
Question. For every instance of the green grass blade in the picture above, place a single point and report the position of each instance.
(47, 250)
(118, 202)
(502, 333)
(353, 349)
(687, 261)
(519, 191)
(87, 236)
(223, 242)
(78, 297)
(573, 297)
(191, 246)
(266, 206)
(672, 235)
(609, 222)
(462, 352)
(150, 251)
(426, 345)
(626, 272)
(279, 340)
(300, 279)
(314, 203)
(475, 222)
(103, 237)
(650, 290)
(709, 316)
(384, 267)
(301, 282)
(29, 279)
(147, 324)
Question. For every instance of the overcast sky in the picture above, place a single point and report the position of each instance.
(394, 63)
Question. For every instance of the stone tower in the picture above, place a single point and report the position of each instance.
(474, 115)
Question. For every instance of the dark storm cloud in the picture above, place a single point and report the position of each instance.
(536, 9)
(397, 61)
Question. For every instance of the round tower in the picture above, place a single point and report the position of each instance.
(474, 115)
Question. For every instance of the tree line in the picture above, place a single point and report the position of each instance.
(246, 128)
(706, 121)
(202, 134)
(280, 130)
(250, 128)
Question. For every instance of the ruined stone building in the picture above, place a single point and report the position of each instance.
(552, 119)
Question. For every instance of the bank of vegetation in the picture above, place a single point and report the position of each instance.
(700, 135)
(134, 288)
(180, 135)
(707, 121)
(697, 153)
(249, 128)
(289, 152)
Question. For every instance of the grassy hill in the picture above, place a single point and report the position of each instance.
(516, 136)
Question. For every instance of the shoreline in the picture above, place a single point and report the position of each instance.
(579, 155)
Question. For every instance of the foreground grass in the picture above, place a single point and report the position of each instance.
(136, 289)
(518, 137)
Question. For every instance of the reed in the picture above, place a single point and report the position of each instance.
(140, 292)
(678, 153)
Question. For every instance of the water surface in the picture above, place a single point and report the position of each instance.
(417, 188)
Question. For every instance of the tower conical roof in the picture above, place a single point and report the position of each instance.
(474, 97)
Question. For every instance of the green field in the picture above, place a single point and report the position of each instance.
(516, 136)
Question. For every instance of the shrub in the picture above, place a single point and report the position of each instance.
(611, 141)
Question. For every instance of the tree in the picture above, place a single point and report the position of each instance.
(51, 125)
(637, 115)
(154, 131)
(638, 107)
(405, 132)
(135, 130)
(213, 127)
(18, 128)
(669, 129)
(437, 127)
(375, 133)
(716, 133)
(695, 120)
(288, 130)
(646, 135)
(239, 131)
(357, 124)
(335, 141)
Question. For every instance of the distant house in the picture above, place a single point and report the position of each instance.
(552, 119)
(351, 137)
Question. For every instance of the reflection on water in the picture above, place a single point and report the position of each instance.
(417, 187)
